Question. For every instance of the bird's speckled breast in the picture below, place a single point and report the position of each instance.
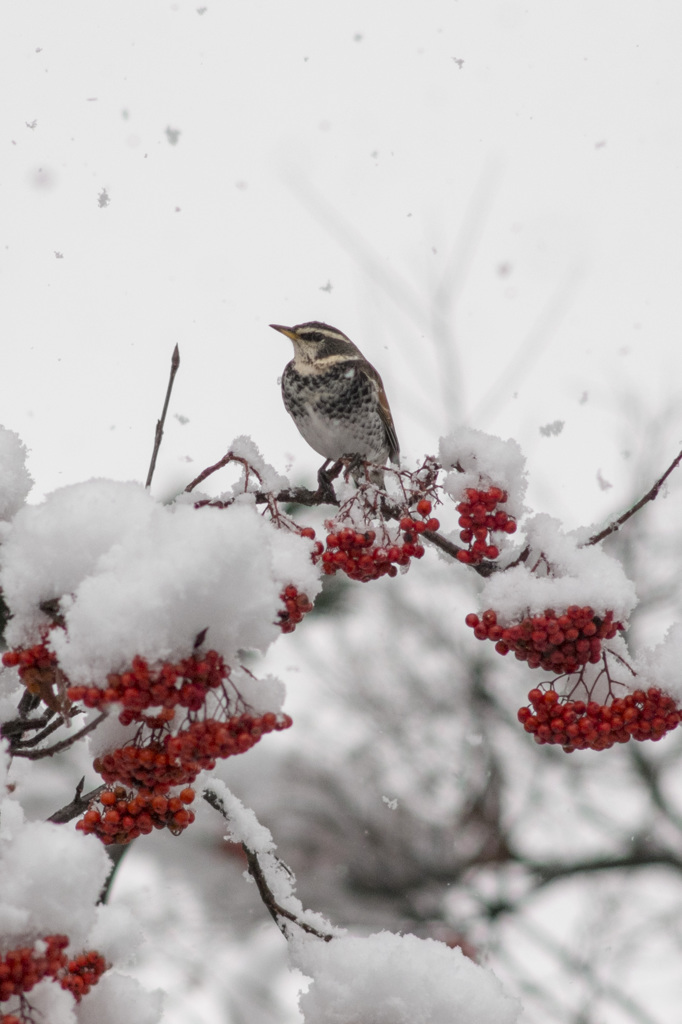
(336, 411)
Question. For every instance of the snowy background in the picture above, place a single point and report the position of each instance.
(485, 197)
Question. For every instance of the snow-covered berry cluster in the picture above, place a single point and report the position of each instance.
(22, 968)
(479, 517)
(579, 725)
(296, 605)
(362, 557)
(120, 815)
(178, 736)
(184, 684)
(557, 642)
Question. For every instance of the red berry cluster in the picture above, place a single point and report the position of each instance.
(185, 684)
(177, 759)
(576, 725)
(296, 605)
(123, 815)
(37, 656)
(557, 643)
(146, 767)
(361, 558)
(199, 746)
(479, 517)
(21, 969)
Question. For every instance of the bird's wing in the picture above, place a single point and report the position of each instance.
(384, 413)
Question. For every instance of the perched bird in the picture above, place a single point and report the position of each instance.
(336, 398)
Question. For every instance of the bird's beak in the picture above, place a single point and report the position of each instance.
(284, 330)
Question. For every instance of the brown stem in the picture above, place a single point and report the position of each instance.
(651, 495)
(483, 568)
(18, 726)
(158, 435)
(226, 459)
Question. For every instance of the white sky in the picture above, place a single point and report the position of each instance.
(512, 166)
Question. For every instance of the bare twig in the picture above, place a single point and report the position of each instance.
(175, 363)
(651, 495)
(35, 755)
(116, 852)
(225, 461)
(78, 805)
(279, 914)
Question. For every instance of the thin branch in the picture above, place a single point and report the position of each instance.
(651, 495)
(278, 913)
(116, 852)
(158, 435)
(35, 755)
(226, 459)
(78, 805)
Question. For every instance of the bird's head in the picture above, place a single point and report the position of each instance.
(316, 342)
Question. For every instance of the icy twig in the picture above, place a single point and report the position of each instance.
(175, 363)
(267, 870)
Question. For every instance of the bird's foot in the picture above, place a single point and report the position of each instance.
(325, 490)
(363, 471)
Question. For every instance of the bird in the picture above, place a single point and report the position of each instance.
(337, 399)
